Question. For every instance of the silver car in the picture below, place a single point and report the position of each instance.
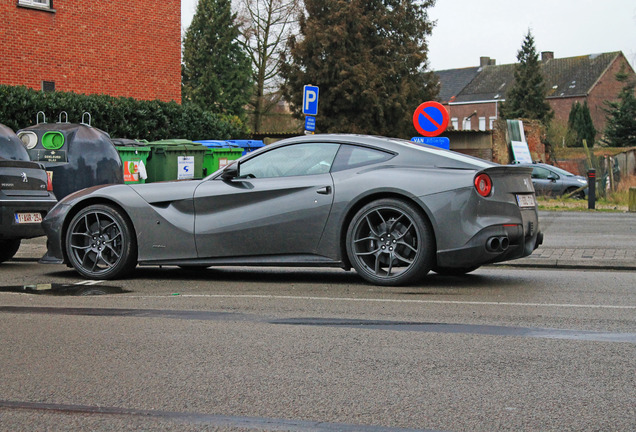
(549, 180)
(388, 208)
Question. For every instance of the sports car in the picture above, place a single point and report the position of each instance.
(388, 208)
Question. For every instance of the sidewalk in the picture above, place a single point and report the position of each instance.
(549, 257)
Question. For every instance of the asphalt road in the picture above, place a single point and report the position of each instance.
(588, 230)
(317, 350)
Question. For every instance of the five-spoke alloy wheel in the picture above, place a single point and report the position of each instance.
(390, 243)
(100, 243)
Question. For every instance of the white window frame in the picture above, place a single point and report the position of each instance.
(455, 123)
(492, 122)
(482, 123)
(467, 124)
(43, 4)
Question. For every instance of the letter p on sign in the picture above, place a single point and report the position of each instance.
(310, 100)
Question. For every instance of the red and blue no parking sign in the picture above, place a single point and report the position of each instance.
(430, 119)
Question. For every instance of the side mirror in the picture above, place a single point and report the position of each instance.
(230, 172)
(553, 177)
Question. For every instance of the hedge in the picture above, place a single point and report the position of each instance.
(120, 117)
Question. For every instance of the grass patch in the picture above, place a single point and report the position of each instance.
(616, 201)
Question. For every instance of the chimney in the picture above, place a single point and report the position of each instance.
(547, 55)
(484, 61)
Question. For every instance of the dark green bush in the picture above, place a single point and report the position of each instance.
(120, 117)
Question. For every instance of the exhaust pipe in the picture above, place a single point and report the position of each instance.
(497, 244)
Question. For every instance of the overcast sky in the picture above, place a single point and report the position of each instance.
(469, 29)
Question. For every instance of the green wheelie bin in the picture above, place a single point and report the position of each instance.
(174, 159)
(218, 155)
(134, 157)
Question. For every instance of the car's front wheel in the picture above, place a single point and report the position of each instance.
(100, 243)
(390, 243)
(8, 249)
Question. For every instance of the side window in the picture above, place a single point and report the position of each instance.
(291, 160)
(351, 156)
(540, 173)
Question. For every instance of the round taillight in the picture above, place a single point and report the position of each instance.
(483, 184)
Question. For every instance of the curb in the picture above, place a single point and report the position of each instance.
(571, 264)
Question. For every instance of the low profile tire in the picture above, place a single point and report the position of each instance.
(100, 243)
(390, 243)
(454, 271)
(8, 249)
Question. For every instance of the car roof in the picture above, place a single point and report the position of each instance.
(411, 150)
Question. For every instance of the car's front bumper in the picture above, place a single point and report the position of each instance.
(53, 226)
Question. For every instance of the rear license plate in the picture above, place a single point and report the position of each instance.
(27, 218)
(526, 201)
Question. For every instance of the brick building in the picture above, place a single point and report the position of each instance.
(116, 47)
(472, 95)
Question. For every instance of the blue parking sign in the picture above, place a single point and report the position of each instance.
(310, 123)
(310, 100)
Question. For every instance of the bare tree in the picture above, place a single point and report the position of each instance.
(266, 25)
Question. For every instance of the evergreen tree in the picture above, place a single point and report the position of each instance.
(581, 124)
(526, 97)
(620, 129)
(216, 72)
(369, 58)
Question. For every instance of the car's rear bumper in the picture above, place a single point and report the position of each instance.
(522, 239)
(11, 229)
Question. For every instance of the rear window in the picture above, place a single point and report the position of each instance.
(353, 157)
(10, 149)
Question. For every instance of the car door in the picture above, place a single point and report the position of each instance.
(543, 181)
(278, 204)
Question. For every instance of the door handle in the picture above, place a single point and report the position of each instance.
(324, 190)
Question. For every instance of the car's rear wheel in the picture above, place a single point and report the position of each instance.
(100, 243)
(390, 243)
(8, 249)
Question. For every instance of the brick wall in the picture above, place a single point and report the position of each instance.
(534, 133)
(475, 111)
(116, 47)
(607, 88)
